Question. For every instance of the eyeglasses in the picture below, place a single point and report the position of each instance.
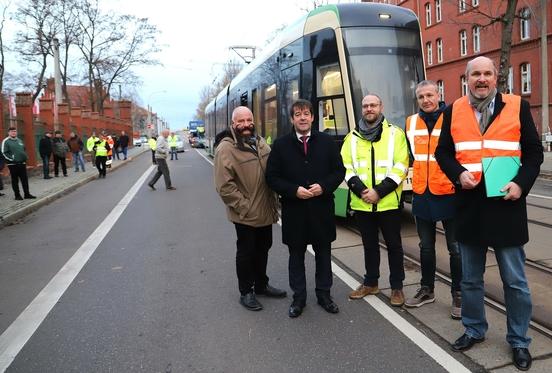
(371, 106)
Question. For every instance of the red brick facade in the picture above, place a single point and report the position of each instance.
(449, 70)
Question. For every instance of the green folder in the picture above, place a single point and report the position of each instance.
(498, 172)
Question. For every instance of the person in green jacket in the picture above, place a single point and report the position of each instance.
(90, 147)
(152, 142)
(13, 151)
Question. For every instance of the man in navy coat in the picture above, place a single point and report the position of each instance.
(305, 168)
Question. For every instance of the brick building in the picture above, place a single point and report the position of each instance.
(452, 35)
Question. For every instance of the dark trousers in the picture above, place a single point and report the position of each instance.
(153, 157)
(45, 165)
(100, 164)
(57, 161)
(252, 245)
(116, 153)
(323, 275)
(125, 151)
(162, 169)
(426, 232)
(19, 172)
(389, 222)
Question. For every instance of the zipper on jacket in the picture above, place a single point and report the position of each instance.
(373, 162)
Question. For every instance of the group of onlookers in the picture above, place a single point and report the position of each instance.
(446, 146)
(53, 147)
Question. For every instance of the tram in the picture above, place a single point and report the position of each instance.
(332, 56)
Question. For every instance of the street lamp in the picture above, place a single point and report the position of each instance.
(150, 124)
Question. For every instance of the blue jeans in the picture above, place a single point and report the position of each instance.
(426, 231)
(78, 159)
(516, 292)
(125, 151)
(45, 165)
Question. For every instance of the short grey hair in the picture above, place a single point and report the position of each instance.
(427, 83)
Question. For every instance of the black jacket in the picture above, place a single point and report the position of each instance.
(45, 146)
(123, 141)
(486, 221)
(311, 220)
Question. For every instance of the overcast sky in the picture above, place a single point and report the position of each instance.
(196, 36)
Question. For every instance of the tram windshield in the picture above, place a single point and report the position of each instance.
(387, 62)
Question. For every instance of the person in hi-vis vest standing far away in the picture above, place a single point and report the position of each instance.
(433, 197)
(481, 125)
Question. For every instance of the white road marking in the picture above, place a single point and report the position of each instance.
(204, 157)
(21, 330)
(442, 357)
(539, 196)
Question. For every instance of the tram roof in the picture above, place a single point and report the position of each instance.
(334, 16)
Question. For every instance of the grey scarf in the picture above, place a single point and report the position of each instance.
(370, 131)
(482, 106)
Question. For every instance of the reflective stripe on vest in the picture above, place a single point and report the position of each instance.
(426, 170)
(500, 139)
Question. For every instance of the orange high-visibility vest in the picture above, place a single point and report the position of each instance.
(426, 170)
(501, 138)
(110, 142)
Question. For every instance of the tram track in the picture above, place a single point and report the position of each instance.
(542, 325)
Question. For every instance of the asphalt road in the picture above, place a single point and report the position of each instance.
(159, 294)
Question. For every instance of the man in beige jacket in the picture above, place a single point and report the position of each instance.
(240, 163)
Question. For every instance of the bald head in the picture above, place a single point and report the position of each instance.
(482, 76)
(481, 60)
(242, 121)
(165, 133)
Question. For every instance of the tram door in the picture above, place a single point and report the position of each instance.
(332, 117)
(290, 93)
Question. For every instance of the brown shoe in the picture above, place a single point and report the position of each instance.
(397, 298)
(363, 291)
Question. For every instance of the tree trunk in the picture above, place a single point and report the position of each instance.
(506, 46)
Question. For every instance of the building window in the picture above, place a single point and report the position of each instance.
(461, 6)
(428, 14)
(429, 49)
(511, 80)
(476, 39)
(525, 16)
(463, 43)
(441, 89)
(525, 69)
(463, 85)
(475, 3)
(437, 10)
(439, 50)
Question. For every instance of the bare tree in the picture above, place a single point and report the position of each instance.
(111, 46)
(501, 13)
(34, 41)
(229, 71)
(2, 57)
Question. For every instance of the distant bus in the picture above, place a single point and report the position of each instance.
(332, 56)
(193, 124)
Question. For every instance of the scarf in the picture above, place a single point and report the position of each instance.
(431, 118)
(482, 106)
(372, 131)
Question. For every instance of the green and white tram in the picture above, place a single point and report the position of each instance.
(333, 56)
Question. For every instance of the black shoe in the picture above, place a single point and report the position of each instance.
(328, 304)
(65, 175)
(151, 186)
(171, 188)
(272, 292)
(522, 358)
(29, 196)
(465, 342)
(18, 198)
(2, 194)
(47, 177)
(296, 309)
(250, 302)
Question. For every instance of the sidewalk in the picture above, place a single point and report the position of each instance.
(48, 190)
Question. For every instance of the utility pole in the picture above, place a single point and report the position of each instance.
(545, 125)
(57, 83)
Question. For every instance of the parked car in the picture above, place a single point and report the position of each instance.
(179, 144)
(137, 142)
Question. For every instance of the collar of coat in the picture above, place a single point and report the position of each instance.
(384, 124)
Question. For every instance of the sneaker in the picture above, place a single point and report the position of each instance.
(424, 295)
(363, 291)
(456, 308)
(397, 298)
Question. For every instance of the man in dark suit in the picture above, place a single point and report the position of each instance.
(305, 168)
(487, 124)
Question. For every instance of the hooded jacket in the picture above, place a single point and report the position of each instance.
(240, 181)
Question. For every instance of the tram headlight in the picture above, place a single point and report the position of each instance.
(385, 16)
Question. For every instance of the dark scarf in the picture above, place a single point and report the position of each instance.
(431, 118)
(371, 132)
(482, 106)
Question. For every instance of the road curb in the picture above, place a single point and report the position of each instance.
(12, 218)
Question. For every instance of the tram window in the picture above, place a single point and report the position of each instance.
(270, 123)
(256, 110)
(329, 78)
(270, 92)
(333, 118)
(243, 99)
